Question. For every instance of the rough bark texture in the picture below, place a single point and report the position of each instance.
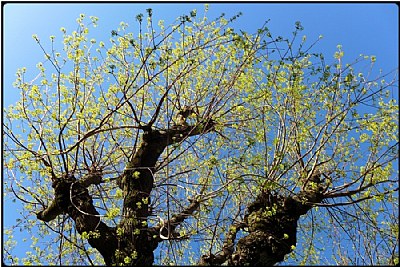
(134, 245)
(137, 183)
(271, 222)
(72, 198)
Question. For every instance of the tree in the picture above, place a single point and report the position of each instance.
(243, 147)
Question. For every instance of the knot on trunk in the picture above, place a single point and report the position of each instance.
(272, 224)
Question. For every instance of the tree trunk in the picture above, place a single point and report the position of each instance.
(132, 242)
(72, 198)
(271, 222)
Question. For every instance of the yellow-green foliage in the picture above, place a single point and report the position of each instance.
(276, 117)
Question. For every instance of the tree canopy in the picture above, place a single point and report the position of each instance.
(196, 143)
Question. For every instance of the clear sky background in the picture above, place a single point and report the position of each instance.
(369, 29)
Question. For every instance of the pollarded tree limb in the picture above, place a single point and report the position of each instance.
(137, 242)
(53, 210)
(95, 178)
(50, 212)
(271, 222)
(228, 247)
(72, 198)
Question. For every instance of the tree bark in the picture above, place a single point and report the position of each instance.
(132, 242)
(271, 223)
(72, 198)
(137, 183)
(270, 220)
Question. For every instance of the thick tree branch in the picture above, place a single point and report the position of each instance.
(228, 247)
(137, 184)
(50, 212)
(271, 222)
(72, 198)
(166, 230)
(53, 210)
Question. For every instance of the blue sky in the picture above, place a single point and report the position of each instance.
(370, 29)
